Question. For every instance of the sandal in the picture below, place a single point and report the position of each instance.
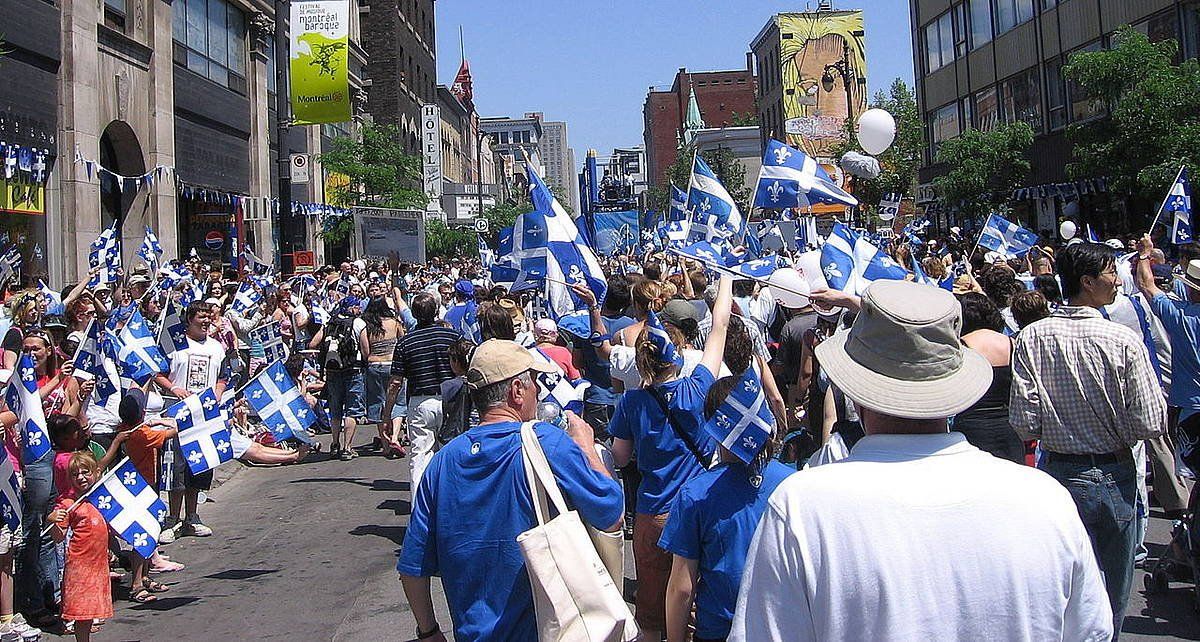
(142, 596)
(154, 587)
(167, 567)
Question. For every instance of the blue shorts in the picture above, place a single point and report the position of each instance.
(344, 389)
(377, 379)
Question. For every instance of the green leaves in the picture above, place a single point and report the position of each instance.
(449, 242)
(379, 172)
(984, 167)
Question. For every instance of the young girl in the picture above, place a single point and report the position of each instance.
(86, 590)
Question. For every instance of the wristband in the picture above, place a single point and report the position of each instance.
(428, 634)
(598, 339)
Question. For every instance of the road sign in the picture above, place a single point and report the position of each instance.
(299, 166)
(303, 261)
(481, 225)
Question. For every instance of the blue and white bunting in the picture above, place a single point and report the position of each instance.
(714, 214)
(743, 423)
(203, 431)
(131, 507)
(791, 178)
(280, 405)
(22, 398)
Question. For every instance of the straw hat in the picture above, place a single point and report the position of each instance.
(902, 357)
(1191, 276)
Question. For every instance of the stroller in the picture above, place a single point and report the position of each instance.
(1181, 559)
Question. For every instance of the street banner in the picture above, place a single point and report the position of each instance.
(319, 73)
(616, 231)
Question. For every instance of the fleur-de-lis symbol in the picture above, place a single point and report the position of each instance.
(831, 271)
(135, 326)
(223, 446)
(782, 154)
(723, 421)
(257, 394)
(104, 502)
(161, 514)
(35, 438)
(775, 190)
(706, 254)
(27, 374)
(750, 386)
(749, 442)
(129, 478)
(209, 403)
(195, 457)
(704, 205)
(302, 413)
(140, 540)
(8, 512)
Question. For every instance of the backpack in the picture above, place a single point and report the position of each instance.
(339, 347)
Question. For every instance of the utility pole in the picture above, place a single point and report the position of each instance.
(283, 123)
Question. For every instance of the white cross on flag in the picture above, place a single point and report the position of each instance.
(131, 507)
(203, 431)
(22, 398)
(279, 403)
(272, 341)
(172, 335)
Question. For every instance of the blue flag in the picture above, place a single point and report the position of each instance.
(23, 400)
(568, 258)
(1179, 205)
(280, 405)
(661, 340)
(150, 251)
(678, 208)
(714, 214)
(10, 495)
(131, 507)
(851, 263)
(743, 423)
(791, 178)
(1006, 237)
(138, 355)
(203, 431)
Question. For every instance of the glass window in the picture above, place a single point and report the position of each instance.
(1010, 13)
(980, 12)
(269, 52)
(939, 41)
(1022, 98)
(1049, 4)
(987, 109)
(1191, 30)
(960, 30)
(1056, 95)
(968, 113)
(944, 125)
(213, 34)
(1082, 107)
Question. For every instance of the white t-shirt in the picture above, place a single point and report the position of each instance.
(921, 537)
(197, 367)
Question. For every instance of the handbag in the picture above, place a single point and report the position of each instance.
(574, 596)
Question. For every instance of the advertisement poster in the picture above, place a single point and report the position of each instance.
(319, 72)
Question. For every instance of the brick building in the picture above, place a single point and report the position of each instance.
(720, 95)
(399, 39)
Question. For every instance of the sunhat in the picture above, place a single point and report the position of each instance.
(902, 357)
(496, 360)
(1191, 276)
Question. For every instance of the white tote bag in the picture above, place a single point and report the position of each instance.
(574, 596)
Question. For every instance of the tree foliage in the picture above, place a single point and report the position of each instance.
(500, 216)
(1154, 122)
(379, 172)
(984, 167)
(448, 242)
(724, 164)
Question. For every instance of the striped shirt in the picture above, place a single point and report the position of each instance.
(423, 358)
(1084, 385)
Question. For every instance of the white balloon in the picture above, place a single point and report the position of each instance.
(876, 131)
(789, 288)
(1067, 230)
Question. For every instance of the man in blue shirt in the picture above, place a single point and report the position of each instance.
(474, 501)
(1181, 320)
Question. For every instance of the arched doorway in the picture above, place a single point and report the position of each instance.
(121, 153)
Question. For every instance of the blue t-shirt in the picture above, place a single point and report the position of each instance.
(596, 371)
(662, 455)
(712, 521)
(472, 503)
(1181, 320)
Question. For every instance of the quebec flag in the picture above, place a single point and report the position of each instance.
(850, 262)
(131, 507)
(554, 387)
(1008, 238)
(1179, 206)
(172, 335)
(23, 400)
(10, 495)
(269, 336)
(678, 209)
(138, 354)
(568, 257)
(278, 402)
(203, 431)
(791, 178)
(743, 423)
(714, 214)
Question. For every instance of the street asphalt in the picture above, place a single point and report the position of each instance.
(308, 552)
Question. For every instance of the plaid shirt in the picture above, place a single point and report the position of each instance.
(1084, 385)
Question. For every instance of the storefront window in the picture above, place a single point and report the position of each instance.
(210, 37)
(987, 109)
(1022, 99)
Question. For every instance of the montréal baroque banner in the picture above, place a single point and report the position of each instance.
(320, 32)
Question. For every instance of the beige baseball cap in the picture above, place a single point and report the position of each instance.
(496, 360)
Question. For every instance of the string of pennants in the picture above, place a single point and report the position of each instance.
(29, 163)
(204, 194)
(1067, 191)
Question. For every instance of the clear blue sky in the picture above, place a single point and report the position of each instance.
(590, 63)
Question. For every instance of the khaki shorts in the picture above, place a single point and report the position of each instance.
(653, 566)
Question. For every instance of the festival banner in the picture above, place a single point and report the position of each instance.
(616, 231)
(319, 72)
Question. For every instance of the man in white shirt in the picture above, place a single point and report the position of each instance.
(201, 365)
(917, 535)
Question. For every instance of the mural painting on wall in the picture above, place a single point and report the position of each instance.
(815, 119)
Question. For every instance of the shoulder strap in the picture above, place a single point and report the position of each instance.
(542, 485)
(654, 392)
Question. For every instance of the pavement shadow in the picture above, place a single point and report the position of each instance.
(165, 604)
(357, 481)
(389, 485)
(393, 533)
(397, 506)
(241, 573)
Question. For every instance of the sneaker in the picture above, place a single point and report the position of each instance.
(169, 533)
(346, 455)
(196, 528)
(7, 634)
(22, 628)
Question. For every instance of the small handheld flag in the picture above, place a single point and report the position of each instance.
(22, 398)
(131, 507)
(203, 431)
(743, 423)
(791, 178)
(279, 403)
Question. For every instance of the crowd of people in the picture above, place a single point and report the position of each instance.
(915, 461)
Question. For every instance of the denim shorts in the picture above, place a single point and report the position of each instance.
(377, 378)
(344, 389)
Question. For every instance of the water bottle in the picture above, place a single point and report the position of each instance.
(168, 468)
(550, 413)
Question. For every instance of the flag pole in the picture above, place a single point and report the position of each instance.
(721, 268)
(1165, 199)
(110, 473)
